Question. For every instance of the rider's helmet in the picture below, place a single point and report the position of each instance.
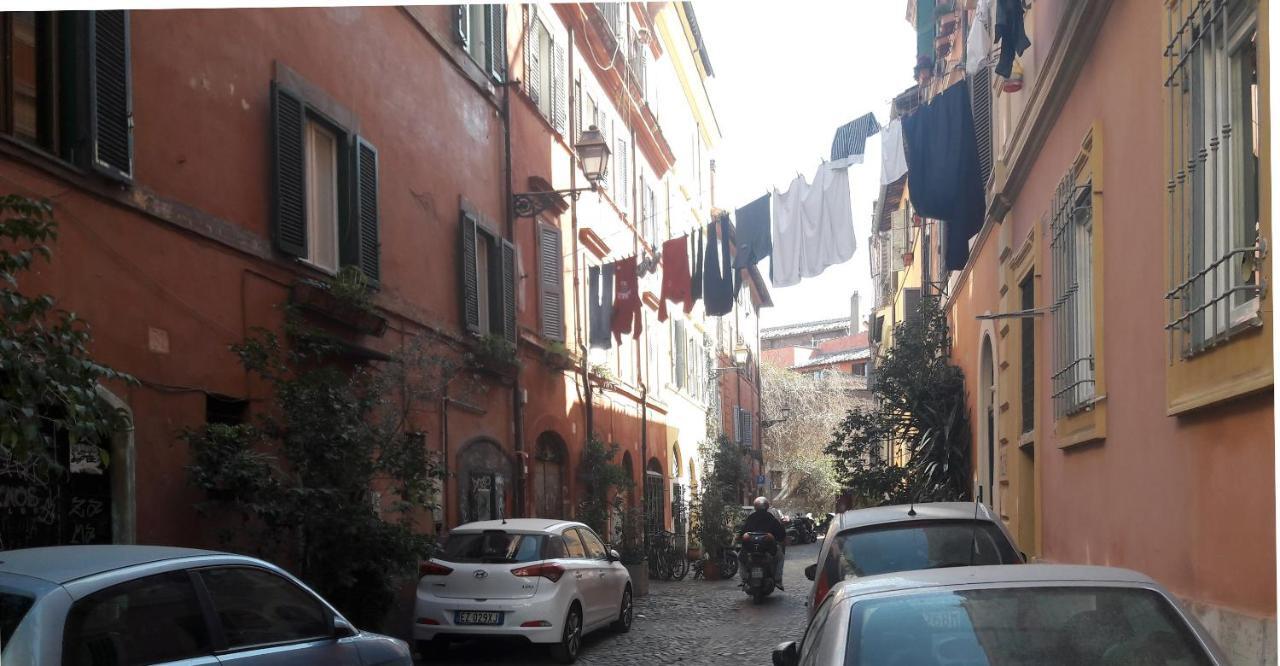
(761, 503)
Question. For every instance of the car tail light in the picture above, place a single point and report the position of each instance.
(536, 623)
(745, 536)
(768, 537)
(427, 620)
(551, 572)
(820, 589)
(433, 569)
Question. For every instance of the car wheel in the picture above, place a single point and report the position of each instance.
(625, 614)
(433, 650)
(566, 651)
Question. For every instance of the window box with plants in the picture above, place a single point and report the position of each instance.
(495, 355)
(557, 357)
(345, 299)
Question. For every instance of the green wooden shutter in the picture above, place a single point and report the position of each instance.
(559, 88)
(460, 31)
(497, 26)
(365, 208)
(289, 218)
(550, 282)
(509, 291)
(470, 280)
(532, 49)
(110, 94)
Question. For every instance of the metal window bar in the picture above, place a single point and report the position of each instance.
(1072, 306)
(1208, 230)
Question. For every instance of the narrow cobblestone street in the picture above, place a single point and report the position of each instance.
(686, 622)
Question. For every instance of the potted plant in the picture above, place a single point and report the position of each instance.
(495, 354)
(632, 552)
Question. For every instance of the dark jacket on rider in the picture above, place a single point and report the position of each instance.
(763, 521)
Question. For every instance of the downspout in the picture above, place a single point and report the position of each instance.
(517, 403)
(584, 369)
(444, 447)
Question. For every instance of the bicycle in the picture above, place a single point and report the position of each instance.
(666, 562)
(728, 564)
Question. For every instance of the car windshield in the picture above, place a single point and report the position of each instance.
(492, 546)
(921, 545)
(13, 607)
(1029, 625)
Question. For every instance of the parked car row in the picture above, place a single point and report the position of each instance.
(929, 584)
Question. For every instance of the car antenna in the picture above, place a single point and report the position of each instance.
(973, 543)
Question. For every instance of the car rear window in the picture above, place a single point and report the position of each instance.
(920, 545)
(13, 607)
(492, 547)
(1025, 625)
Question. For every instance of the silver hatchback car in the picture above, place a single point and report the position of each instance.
(114, 605)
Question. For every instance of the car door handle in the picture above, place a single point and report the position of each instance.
(577, 574)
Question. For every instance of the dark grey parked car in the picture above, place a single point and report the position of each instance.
(133, 605)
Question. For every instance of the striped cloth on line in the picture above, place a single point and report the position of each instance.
(851, 139)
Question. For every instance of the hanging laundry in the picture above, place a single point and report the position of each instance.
(945, 178)
(718, 284)
(752, 233)
(626, 300)
(695, 278)
(893, 156)
(676, 281)
(1011, 33)
(850, 142)
(978, 47)
(812, 226)
(600, 307)
(926, 33)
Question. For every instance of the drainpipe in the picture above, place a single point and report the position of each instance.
(584, 369)
(517, 403)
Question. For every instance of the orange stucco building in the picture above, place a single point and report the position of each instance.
(1116, 348)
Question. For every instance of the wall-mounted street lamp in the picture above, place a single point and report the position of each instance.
(593, 152)
(786, 415)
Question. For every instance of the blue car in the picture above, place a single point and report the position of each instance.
(117, 605)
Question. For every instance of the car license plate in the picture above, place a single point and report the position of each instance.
(757, 572)
(477, 617)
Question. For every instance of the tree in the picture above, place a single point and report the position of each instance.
(603, 481)
(796, 446)
(48, 382)
(723, 474)
(920, 405)
(330, 479)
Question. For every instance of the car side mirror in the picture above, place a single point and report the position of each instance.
(786, 654)
(811, 571)
(614, 556)
(342, 628)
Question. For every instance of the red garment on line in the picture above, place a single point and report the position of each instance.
(626, 300)
(677, 285)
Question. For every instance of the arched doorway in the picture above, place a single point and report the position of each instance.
(654, 497)
(483, 473)
(549, 476)
(987, 453)
(679, 500)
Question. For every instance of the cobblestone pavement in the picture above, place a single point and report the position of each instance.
(688, 622)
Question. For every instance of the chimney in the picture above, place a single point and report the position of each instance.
(855, 318)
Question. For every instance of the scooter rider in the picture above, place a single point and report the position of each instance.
(761, 520)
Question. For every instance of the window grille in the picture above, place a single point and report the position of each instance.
(1071, 227)
(1214, 246)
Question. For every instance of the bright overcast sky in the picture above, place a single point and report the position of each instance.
(787, 74)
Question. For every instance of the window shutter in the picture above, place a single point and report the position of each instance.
(550, 280)
(509, 291)
(110, 94)
(737, 424)
(366, 208)
(460, 31)
(682, 377)
(748, 421)
(620, 180)
(532, 50)
(289, 176)
(577, 104)
(470, 280)
(559, 88)
(981, 100)
(497, 42)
